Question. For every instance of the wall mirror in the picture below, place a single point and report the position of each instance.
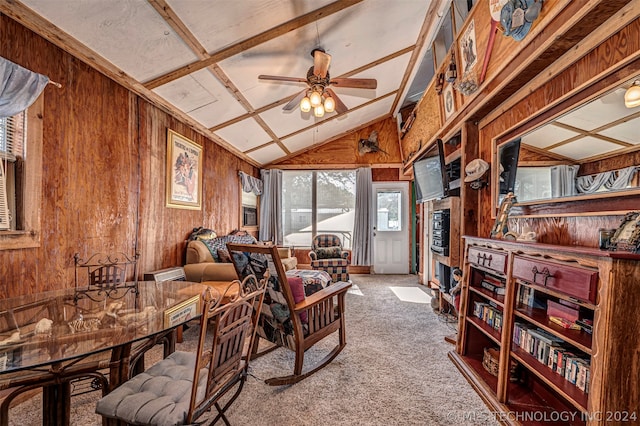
(590, 151)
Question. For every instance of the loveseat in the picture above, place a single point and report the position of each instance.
(207, 259)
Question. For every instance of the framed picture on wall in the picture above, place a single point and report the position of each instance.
(449, 101)
(184, 172)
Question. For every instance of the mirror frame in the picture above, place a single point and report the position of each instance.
(541, 118)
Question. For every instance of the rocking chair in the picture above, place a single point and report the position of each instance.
(290, 318)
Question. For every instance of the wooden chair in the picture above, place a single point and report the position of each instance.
(183, 386)
(289, 317)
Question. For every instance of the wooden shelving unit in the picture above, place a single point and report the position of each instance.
(530, 388)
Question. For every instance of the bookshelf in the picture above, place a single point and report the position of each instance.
(564, 317)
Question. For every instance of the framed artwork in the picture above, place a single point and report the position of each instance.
(449, 101)
(184, 172)
(468, 49)
(627, 236)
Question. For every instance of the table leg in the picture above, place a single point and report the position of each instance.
(56, 409)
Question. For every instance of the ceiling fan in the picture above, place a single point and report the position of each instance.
(319, 95)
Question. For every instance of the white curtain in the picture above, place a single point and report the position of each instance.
(364, 219)
(271, 206)
(563, 180)
(19, 87)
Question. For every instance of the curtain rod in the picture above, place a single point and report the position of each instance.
(58, 85)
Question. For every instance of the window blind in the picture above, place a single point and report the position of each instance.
(12, 147)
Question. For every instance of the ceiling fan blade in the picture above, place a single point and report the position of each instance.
(295, 101)
(321, 61)
(281, 78)
(340, 106)
(358, 83)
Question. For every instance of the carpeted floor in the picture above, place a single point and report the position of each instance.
(393, 371)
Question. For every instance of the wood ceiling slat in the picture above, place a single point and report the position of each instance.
(252, 42)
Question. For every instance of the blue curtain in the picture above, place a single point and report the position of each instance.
(19, 87)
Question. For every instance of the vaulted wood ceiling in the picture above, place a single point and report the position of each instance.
(201, 59)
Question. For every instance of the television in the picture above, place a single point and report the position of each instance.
(429, 176)
(509, 154)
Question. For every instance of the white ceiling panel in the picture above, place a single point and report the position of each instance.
(146, 44)
(586, 147)
(547, 136)
(339, 125)
(239, 19)
(598, 113)
(629, 131)
(267, 154)
(130, 34)
(202, 96)
(244, 135)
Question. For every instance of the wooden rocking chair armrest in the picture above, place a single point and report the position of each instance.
(324, 294)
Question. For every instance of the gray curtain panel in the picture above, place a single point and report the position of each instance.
(271, 206)
(563, 180)
(19, 87)
(364, 219)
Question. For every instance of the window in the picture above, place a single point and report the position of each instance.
(21, 178)
(249, 209)
(389, 211)
(318, 202)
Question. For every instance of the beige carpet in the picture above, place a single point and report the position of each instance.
(393, 371)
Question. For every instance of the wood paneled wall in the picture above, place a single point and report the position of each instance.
(613, 61)
(104, 162)
(343, 152)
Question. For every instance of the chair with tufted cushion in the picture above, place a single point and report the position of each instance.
(185, 385)
(327, 255)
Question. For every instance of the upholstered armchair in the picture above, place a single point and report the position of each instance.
(327, 255)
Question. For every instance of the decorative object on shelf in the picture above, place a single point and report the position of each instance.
(440, 84)
(627, 237)
(370, 145)
(467, 85)
(452, 71)
(527, 235)
(449, 101)
(475, 173)
(501, 227)
(495, 8)
(604, 238)
(517, 16)
(408, 123)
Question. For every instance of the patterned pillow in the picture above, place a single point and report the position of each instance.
(220, 243)
(202, 234)
(297, 289)
(328, 252)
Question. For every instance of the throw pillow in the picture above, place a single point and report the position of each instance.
(328, 252)
(201, 233)
(297, 289)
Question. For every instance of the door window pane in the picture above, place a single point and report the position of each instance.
(389, 208)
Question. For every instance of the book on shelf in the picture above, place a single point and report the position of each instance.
(586, 325)
(564, 323)
(555, 309)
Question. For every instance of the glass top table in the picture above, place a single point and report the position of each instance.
(49, 338)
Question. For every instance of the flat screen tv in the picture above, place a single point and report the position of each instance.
(430, 179)
(509, 154)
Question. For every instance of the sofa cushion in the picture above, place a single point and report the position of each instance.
(220, 243)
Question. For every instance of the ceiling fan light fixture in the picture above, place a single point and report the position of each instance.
(632, 95)
(316, 99)
(318, 111)
(329, 104)
(305, 104)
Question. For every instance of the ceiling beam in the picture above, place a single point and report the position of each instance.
(263, 37)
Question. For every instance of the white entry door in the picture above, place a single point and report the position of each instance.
(391, 232)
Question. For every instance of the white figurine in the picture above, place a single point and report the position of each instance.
(44, 326)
